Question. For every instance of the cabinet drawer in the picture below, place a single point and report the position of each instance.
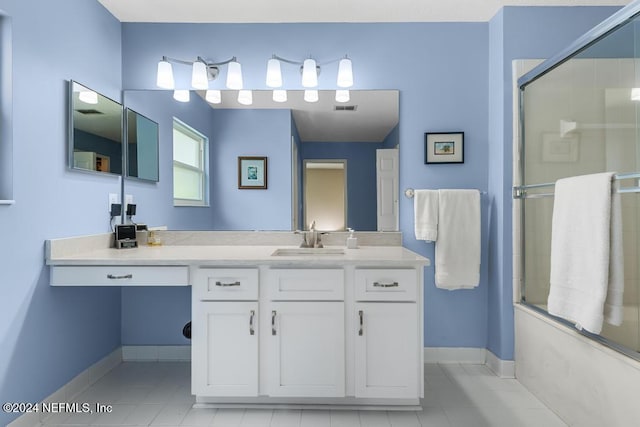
(306, 284)
(386, 284)
(226, 284)
(119, 276)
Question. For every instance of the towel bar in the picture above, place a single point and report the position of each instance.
(410, 192)
(520, 191)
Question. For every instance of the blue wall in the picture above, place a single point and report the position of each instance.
(49, 335)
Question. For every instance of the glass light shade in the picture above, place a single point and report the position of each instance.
(342, 95)
(245, 97)
(311, 95)
(309, 73)
(199, 78)
(164, 78)
(234, 75)
(88, 97)
(274, 74)
(280, 95)
(213, 96)
(635, 94)
(181, 95)
(345, 73)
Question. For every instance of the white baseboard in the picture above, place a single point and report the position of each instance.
(471, 355)
(70, 390)
(156, 353)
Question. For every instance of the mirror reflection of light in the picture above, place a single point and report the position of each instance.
(88, 97)
(342, 95)
(635, 94)
(245, 97)
(181, 95)
(311, 96)
(213, 96)
(280, 95)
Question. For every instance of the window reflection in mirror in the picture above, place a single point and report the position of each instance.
(95, 142)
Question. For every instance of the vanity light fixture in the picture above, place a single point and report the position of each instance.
(88, 96)
(342, 95)
(202, 71)
(310, 70)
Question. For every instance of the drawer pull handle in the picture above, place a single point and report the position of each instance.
(251, 330)
(361, 316)
(385, 285)
(125, 276)
(273, 323)
(224, 285)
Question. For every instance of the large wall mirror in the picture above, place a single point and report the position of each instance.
(292, 135)
(142, 143)
(95, 140)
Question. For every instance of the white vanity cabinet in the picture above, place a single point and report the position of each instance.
(305, 345)
(387, 341)
(224, 350)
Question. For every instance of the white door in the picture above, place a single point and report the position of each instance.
(306, 349)
(386, 351)
(225, 348)
(387, 178)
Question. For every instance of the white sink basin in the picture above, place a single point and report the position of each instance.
(307, 251)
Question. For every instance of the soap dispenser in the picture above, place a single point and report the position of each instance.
(352, 242)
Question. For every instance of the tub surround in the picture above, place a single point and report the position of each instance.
(274, 328)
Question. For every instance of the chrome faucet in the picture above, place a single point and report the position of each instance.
(311, 238)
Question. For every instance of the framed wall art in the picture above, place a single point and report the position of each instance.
(444, 147)
(252, 173)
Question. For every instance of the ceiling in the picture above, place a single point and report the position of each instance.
(253, 11)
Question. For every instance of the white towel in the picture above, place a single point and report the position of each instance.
(585, 233)
(457, 249)
(425, 207)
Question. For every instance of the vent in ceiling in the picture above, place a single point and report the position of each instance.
(345, 107)
(89, 111)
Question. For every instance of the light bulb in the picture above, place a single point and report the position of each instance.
(199, 78)
(345, 73)
(181, 95)
(234, 75)
(309, 73)
(342, 95)
(213, 96)
(635, 94)
(88, 97)
(280, 95)
(274, 74)
(311, 95)
(245, 97)
(164, 78)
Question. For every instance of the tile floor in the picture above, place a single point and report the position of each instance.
(158, 394)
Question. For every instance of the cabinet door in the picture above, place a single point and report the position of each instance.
(386, 351)
(225, 349)
(306, 349)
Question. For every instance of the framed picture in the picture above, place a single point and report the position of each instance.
(444, 147)
(252, 173)
(556, 148)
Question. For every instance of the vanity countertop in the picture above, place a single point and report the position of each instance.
(236, 255)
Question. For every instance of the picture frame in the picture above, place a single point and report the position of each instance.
(559, 149)
(252, 173)
(443, 147)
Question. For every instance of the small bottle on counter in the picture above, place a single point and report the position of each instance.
(352, 241)
(153, 239)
